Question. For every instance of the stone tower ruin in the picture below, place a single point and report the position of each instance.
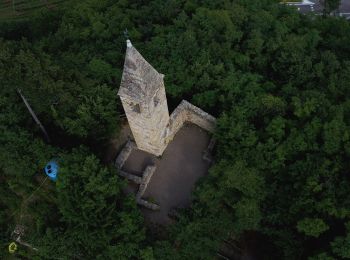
(142, 93)
(143, 97)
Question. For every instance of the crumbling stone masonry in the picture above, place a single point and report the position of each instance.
(142, 181)
(142, 93)
(147, 174)
(143, 97)
(124, 154)
(186, 112)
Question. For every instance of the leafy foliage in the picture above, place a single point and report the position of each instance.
(278, 81)
(96, 221)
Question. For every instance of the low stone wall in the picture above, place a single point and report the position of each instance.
(124, 154)
(142, 181)
(186, 112)
(147, 175)
(130, 177)
(148, 204)
(198, 117)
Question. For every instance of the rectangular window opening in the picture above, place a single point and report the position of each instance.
(136, 108)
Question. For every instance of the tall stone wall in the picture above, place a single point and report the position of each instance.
(148, 122)
(143, 96)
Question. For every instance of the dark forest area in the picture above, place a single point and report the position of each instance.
(278, 81)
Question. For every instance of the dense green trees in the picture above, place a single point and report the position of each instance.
(330, 5)
(278, 81)
(96, 219)
(281, 87)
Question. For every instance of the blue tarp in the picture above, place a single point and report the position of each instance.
(51, 170)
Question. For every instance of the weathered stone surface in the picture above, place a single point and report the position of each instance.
(198, 117)
(186, 112)
(144, 100)
(142, 181)
(124, 154)
(139, 80)
(143, 96)
(148, 204)
(130, 177)
(147, 175)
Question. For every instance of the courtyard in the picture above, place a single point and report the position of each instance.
(178, 169)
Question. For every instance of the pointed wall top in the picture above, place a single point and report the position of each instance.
(140, 81)
(128, 43)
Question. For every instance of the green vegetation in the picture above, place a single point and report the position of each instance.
(330, 5)
(278, 81)
(295, 1)
(24, 9)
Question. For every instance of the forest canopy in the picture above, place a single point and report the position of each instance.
(278, 82)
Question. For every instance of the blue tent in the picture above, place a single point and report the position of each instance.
(51, 170)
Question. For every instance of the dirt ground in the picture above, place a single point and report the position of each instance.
(180, 166)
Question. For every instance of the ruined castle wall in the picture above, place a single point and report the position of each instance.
(176, 121)
(186, 112)
(147, 175)
(147, 129)
(124, 154)
(197, 116)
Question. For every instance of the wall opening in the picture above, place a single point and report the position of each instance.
(136, 108)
